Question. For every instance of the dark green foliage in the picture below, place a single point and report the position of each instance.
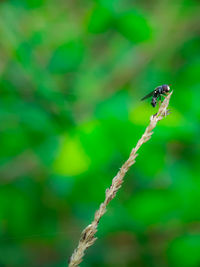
(134, 26)
(100, 20)
(67, 57)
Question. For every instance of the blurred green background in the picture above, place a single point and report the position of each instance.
(72, 74)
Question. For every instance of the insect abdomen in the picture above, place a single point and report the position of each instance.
(153, 102)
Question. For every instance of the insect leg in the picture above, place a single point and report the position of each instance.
(163, 95)
(160, 101)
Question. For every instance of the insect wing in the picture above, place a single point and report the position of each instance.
(147, 96)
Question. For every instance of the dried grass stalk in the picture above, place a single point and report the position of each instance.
(88, 235)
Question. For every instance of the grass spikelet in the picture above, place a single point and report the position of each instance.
(88, 235)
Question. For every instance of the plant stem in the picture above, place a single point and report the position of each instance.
(88, 235)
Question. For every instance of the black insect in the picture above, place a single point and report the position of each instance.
(157, 93)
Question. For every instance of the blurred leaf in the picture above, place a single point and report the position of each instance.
(190, 73)
(115, 107)
(134, 26)
(16, 211)
(71, 159)
(33, 117)
(152, 158)
(67, 57)
(184, 251)
(152, 207)
(186, 185)
(12, 146)
(18, 257)
(61, 185)
(24, 54)
(96, 143)
(113, 5)
(188, 46)
(29, 3)
(100, 20)
(139, 114)
(46, 151)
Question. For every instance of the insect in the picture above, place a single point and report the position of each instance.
(157, 93)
